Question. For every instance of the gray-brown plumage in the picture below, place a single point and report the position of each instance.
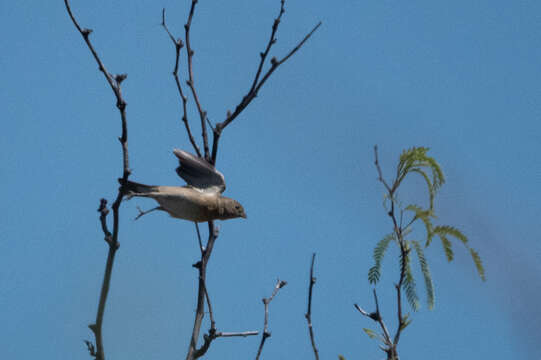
(200, 201)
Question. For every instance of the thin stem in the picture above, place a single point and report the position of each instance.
(266, 301)
(190, 82)
(111, 238)
(398, 230)
(308, 314)
(376, 316)
(201, 247)
(178, 46)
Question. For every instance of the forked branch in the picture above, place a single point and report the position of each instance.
(266, 301)
(178, 46)
(259, 80)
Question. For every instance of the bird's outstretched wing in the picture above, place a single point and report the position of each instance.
(197, 172)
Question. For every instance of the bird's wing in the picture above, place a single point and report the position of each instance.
(197, 172)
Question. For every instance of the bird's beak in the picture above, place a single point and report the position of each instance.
(244, 215)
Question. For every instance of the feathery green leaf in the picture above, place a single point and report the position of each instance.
(449, 230)
(478, 264)
(431, 189)
(414, 159)
(430, 296)
(371, 333)
(447, 247)
(379, 251)
(405, 322)
(409, 284)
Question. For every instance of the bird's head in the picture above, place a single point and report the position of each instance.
(234, 209)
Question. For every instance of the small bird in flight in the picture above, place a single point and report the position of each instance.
(199, 201)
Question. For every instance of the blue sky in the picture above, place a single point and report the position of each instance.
(459, 77)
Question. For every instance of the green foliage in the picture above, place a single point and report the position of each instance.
(371, 333)
(447, 247)
(424, 216)
(409, 282)
(416, 160)
(478, 263)
(340, 357)
(405, 322)
(379, 251)
(449, 230)
(430, 295)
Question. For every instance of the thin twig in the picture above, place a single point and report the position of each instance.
(258, 81)
(266, 301)
(399, 232)
(201, 247)
(144, 212)
(111, 238)
(308, 314)
(190, 82)
(211, 314)
(212, 335)
(236, 334)
(380, 174)
(178, 46)
(376, 316)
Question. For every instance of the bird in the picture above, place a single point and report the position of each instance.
(200, 200)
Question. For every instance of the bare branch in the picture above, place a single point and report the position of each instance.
(237, 334)
(266, 301)
(258, 82)
(206, 251)
(202, 297)
(271, 42)
(144, 212)
(212, 335)
(190, 82)
(111, 238)
(308, 314)
(211, 314)
(178, 46)
(376, 162)
(201, 247)
(376, 316)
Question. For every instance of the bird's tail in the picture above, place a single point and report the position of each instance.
(131, 188)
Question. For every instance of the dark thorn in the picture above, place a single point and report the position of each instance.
(197, 265)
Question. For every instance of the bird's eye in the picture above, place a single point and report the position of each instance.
(237, 207)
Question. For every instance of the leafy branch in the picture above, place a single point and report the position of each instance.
(412, 161)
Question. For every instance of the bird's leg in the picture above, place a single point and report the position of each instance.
(141, 212)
